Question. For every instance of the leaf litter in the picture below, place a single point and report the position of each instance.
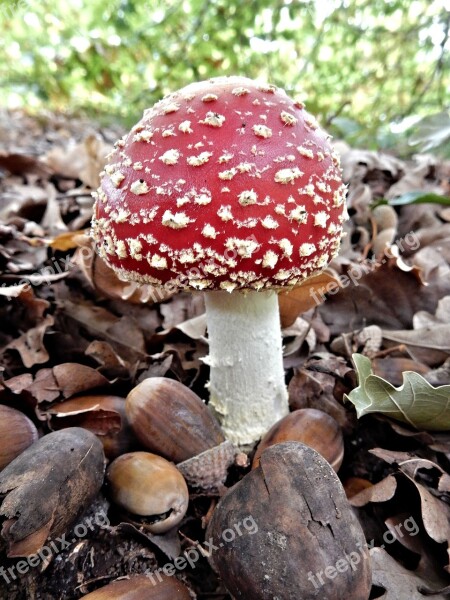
(71, 330)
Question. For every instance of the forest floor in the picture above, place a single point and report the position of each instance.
(69, 328)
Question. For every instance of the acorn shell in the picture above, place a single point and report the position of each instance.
(171, 420)
(17, 433)
(147, 485)
(310, 426)
(284, 522)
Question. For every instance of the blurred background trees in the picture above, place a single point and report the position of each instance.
(368, 68)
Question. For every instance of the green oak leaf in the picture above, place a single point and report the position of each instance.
(415, 402)
(420, 197)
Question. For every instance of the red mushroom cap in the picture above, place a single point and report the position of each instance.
(225, 184)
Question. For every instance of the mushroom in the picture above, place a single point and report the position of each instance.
(230, 187)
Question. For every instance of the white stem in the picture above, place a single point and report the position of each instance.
(247, 387)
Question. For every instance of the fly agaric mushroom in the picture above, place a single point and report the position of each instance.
(230, 187)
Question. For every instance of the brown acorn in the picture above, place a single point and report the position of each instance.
(310, 426)
(287, 530)
(47, 486)
(150, 488)
(143, 587)
(171, 420)
(17, 432)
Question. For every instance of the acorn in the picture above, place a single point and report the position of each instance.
(287, 530)
(17, 433)
(171, 420)
(310, 426)
(45, 489)
(142, 587)
(150, 488)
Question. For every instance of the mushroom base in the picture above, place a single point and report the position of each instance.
(247, 386)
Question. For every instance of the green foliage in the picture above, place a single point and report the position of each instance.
(415, 402)
(359, 64)
(433, 133)
(419, 198)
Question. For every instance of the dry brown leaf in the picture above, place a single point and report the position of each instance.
(52, 220)
(293, 337)
(66, 241)
(391, 368)
(73, 378)
(120, 332)
(100, 414)
(81, 161)
(423, 318)
(63, 381)
(358, 163)
(387, 296)
(42, 388)
(181, 308)
(305, 296)
(19, 164)
(106, 356)
(30, 345)
(105, 280)
(355, 485)
(194, 328)
(382, 491)
(399, 583)
(312, 386)
(435, 515)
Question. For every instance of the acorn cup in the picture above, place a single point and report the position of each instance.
(170, 420)
(208, 471)
(17, 433)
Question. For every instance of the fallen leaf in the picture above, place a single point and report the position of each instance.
(66, 241)
(100, 414)
(416, 402)
(18, 164)
(73, 378)
(81, 161)
(30, 345)
(305, 296)
(379, 492)
(106, 281)
(122, 333)
(386, 296)
(391, 368)
(399, 583)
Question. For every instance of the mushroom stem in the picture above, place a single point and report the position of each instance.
(247, 387)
